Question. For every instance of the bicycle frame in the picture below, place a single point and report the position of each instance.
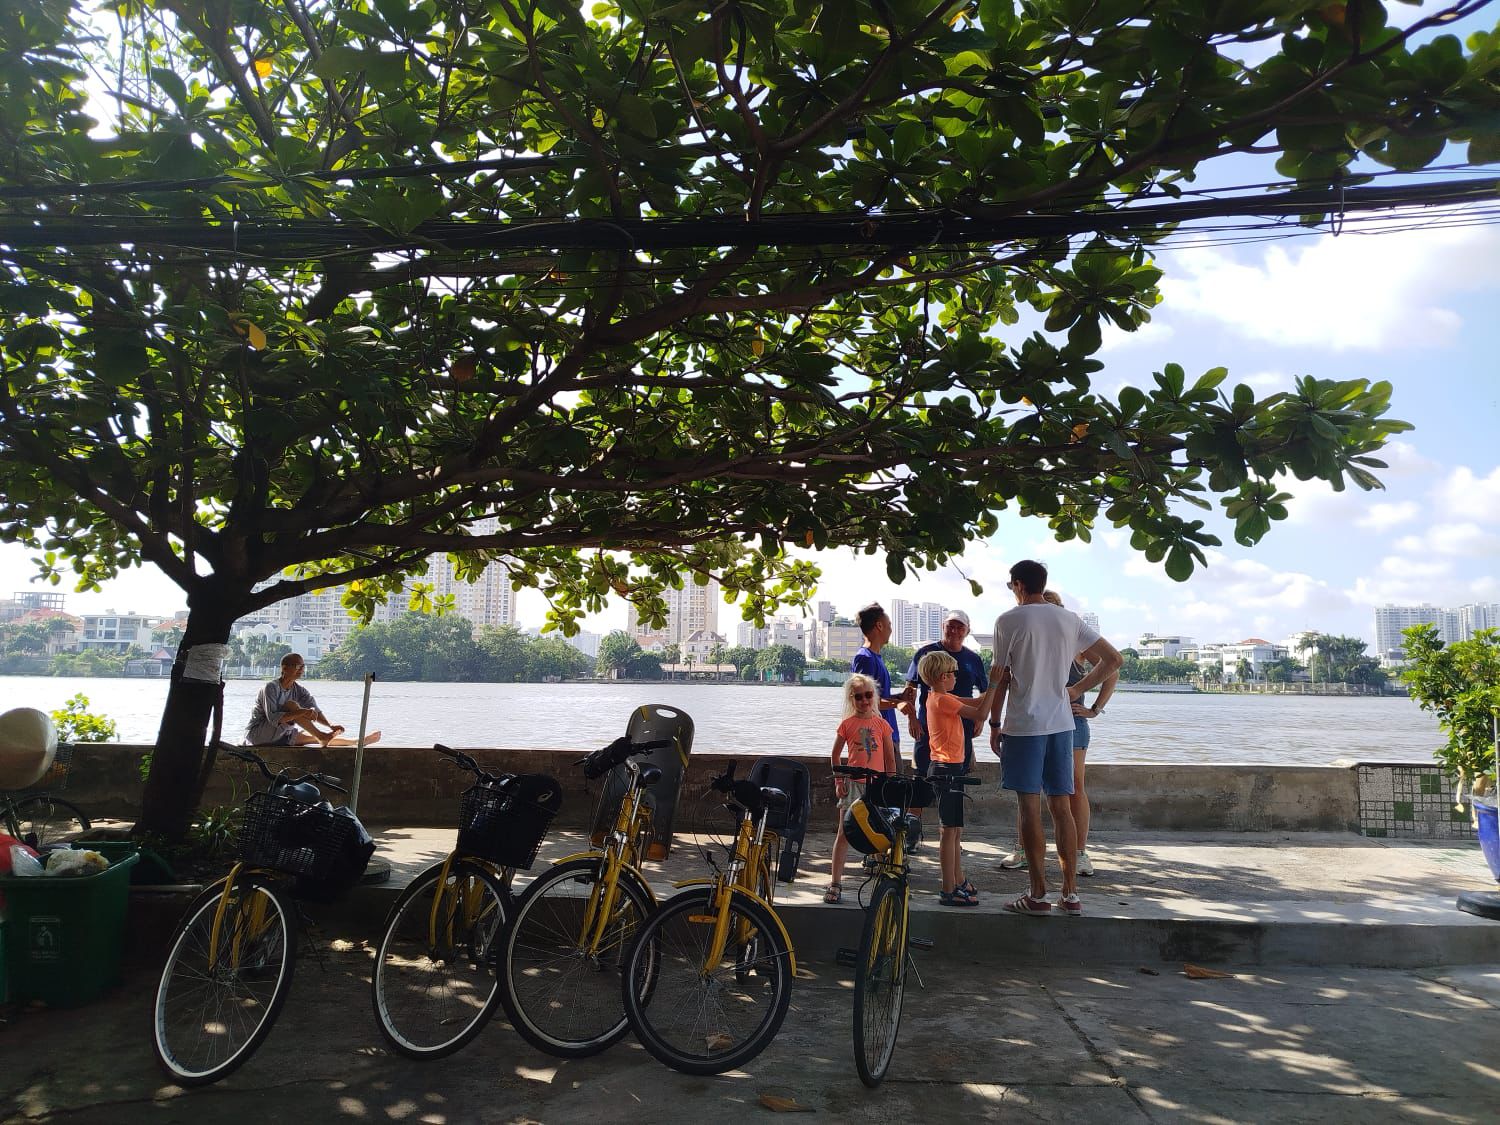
(753, 846)
(469, 904)
(632, 823)
(256, 919)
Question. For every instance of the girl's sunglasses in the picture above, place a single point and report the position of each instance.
(864, 695)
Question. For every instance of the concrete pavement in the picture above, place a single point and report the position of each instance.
(979, 1043)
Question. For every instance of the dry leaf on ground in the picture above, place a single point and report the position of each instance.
(784, 1105)
(1198, 972)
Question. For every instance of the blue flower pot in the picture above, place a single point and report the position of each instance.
(1489, 837)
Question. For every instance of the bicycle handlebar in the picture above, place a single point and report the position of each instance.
(284, 775)
(459, 760)
(752, 798)
(601, 761)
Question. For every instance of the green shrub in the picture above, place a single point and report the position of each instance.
(76, 724)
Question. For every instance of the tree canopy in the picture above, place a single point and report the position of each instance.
(314, 286)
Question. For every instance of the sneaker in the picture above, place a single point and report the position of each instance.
(1039, 907)
(1084, 866)
(1016, 861)
(1071, 905)
(957, 897)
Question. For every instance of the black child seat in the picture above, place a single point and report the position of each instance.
(790, 820)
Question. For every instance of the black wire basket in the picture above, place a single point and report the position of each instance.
(326, 849)
(507, 823)
(56, 776)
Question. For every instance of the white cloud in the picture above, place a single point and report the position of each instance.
(1461, 540)
(1475, 497)
(1150, 334)
(1354, 292)
(1383, 517)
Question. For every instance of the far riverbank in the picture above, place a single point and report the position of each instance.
(1139, 726)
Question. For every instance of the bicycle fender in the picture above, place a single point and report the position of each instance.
(627, 870)
(755, 898)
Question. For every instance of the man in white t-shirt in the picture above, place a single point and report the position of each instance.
(1035, 645)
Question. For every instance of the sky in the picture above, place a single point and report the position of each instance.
(1418, 307)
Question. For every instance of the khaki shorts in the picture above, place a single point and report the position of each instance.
(846, 802)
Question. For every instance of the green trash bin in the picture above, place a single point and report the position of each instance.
(65, 936)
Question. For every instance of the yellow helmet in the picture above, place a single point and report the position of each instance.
(869, 828)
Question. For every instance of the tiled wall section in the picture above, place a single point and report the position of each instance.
(1410, 802)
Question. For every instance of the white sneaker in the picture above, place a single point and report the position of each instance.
(1084, 866)
(1016, 861)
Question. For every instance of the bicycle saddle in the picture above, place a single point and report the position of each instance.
(650, 775)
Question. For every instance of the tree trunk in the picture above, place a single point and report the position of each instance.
(184, 753)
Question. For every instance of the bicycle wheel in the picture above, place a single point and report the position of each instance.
(880, 981)
(45, 819)
(434, 985)
(701, 1018)
(212, 1012)
(560, 997)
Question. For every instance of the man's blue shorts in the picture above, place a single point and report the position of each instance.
(1037, 763)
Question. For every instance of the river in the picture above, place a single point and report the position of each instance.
(756, 719)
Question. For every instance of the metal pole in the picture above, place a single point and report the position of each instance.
(359, 746)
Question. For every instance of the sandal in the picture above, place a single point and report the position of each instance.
(1025, 904)
(968, 888)
(956, 897)
(834, 894)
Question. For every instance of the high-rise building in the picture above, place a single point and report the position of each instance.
(825, 611)
(1476, 616)
(689, 609)
(1390, 620)
(751, 635)
(1091, 620)
(914, 624)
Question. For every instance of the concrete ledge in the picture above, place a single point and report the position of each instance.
(412, 786)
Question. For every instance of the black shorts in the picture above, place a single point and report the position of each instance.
(950, 801)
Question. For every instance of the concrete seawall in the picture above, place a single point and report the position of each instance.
(414, 786)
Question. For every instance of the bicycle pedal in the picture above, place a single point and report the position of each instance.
(921, 942)
(847, 957)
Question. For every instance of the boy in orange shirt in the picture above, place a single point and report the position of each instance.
(945, 735)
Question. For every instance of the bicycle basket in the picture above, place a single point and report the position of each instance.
(506, 823)
(327, 849)
(57, 775)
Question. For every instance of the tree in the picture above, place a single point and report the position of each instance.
(743, 659)
(1460, 684)
(898, 659)
(1244, 671)
(1342, 660)
(716, 654)
(618, 651)
(295, 317)
(1282, 670)
(780, 662)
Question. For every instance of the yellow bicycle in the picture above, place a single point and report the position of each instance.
(709, 978)
(563, 951)
(434, 987)
(231, 957)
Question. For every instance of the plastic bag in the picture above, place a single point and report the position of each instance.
(23, 861)
(77, 862)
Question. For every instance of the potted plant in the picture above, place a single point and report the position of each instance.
(1460, 683)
